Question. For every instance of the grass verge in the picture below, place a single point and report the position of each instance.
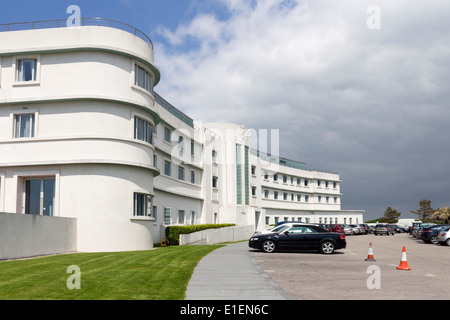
(159, 274)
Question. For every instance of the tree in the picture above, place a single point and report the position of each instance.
(442, 214)
(425, 210)
(391, 215)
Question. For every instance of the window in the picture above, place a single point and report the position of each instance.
(167, 168)
(285, 196)
(143, 79)
(192, 217)
(24, 125)
(192, 147)
(275, 177)
(306, 182)
(275, 195)
(167, 134)
(253, 171)
(214, 181)
(319, 198)
(39, 195)
(306, 198)
(266, 194)
(253, 191)
(26, 70)
(180, 216)
(142, 205)
(299, 181)
(335, 199)
(180, 143)
(334, 185)
(193, 176)
(299, 197)
(167, 214)
(318, 183)
(155, 213)
(181, 173)
(284, 179)
(143, 130)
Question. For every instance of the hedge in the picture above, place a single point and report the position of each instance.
(173, 232)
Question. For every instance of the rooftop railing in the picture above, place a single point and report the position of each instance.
(63, 23)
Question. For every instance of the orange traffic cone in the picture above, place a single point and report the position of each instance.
(403, 263)
(370, 254)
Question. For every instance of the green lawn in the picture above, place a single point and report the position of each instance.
(159, 274)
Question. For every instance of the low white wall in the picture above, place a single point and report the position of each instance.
(212, 236)
(25, 235)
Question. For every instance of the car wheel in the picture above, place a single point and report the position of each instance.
(433, 240)
(448, 241)
(268, 246)
(327, 247)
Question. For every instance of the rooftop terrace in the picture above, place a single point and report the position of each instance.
(63, 23)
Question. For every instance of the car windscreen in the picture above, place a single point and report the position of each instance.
(281, 228)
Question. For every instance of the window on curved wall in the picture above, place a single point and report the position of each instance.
(143, 130)
(143, 79)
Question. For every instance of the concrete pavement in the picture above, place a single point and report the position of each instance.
(232, 273)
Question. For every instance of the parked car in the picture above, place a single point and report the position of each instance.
(356, 228)
(417, 232)
(365, 227)
(414, 226)
(283, 222)
(324, 226)
(443, 237)
(299, 237)
(398, 229)
(430, 234)
(336, 228)
(347, 229)
(383, 229)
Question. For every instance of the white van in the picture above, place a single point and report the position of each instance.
(406, 223)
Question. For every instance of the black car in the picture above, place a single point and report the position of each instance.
(299, 237)
(429, 234)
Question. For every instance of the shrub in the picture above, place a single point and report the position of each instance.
(173, 232)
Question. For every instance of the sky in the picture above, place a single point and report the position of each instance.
(361, 87)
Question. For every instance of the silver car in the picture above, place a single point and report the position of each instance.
(443, 236)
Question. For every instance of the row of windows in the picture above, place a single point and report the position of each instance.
(294, 197)
(324, 220)
(181, 217)
(296, 180)
(27, 71)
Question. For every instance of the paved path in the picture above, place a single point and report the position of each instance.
(232, 273)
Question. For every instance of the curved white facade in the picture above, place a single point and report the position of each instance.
(83, 135)
(68, 107)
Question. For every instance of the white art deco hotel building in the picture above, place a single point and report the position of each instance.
(85, 139)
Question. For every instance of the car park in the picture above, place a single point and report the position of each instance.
(430, 234)
(443, 237)
(383, 229)
(299, 237)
